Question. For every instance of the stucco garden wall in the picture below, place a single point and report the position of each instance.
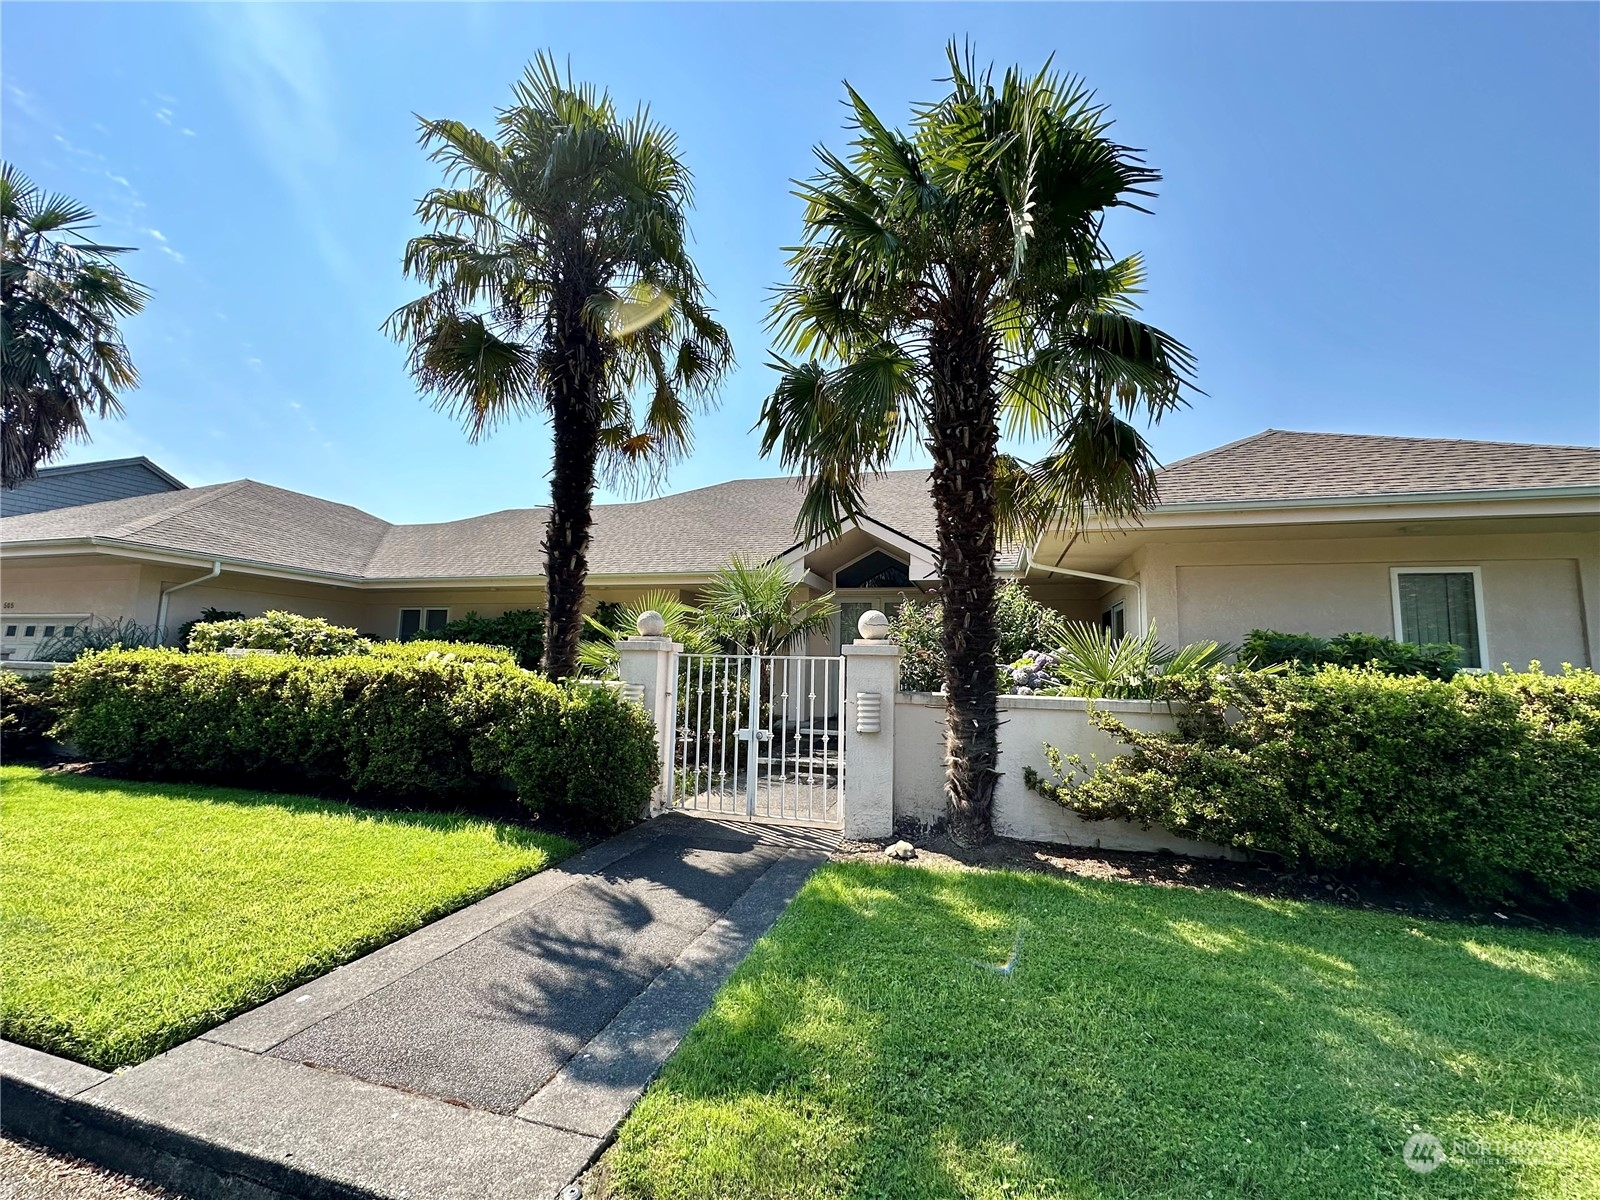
(1028, 722)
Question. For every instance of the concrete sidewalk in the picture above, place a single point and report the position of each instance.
(490, 1054)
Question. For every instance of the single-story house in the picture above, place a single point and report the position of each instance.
(1494, 546)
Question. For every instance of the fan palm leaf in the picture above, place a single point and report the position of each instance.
(558, 281)
(61, 297)
(951, 281)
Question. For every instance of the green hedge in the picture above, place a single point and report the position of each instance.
(1484, 785)
(401, 722)
(521, 631)
(1307, 652)
(27, 711)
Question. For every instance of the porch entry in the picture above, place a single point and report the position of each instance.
(759, 736)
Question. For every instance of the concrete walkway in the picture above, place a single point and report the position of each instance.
(490, 1054)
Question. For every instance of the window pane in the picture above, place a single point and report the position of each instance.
(1440, 606)
(876, 570)
(410, 621)
(438, 618)
(28, 632)
(11, 631)
(66, 630)
(49, 631)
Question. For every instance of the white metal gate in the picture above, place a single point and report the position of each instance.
(759, 736)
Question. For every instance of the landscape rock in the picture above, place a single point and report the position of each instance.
(901, 850)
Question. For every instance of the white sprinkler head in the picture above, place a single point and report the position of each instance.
(650, 624)
(873, 625)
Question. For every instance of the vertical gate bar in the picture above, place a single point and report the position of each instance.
(752, 770)
(699, 724)
(844, 732)
(811, 739)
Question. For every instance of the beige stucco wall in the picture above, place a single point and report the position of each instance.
(103, 588)
(1027, 723)
(1539, 589)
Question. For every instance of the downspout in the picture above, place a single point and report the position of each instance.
(161, 608)
(1138, 588)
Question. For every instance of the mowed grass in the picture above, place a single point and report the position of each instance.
(135, 916)
(1149, 1042)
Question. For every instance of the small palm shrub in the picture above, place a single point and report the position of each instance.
(1093, 662)
(1483, 785)
(749, 607)
(1306, 652)
(284, 632)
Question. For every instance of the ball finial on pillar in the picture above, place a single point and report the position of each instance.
(873, 625)
(650, 624)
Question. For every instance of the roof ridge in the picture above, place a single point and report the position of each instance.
(1418, 437)
(1254, 437)
(193, 498)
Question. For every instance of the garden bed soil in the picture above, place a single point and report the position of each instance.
(1164, 869)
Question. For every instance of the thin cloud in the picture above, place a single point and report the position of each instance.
(279, 74)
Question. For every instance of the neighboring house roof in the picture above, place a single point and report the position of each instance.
(86, 483)
(693, 533)
(1281, 465)
(687, 533)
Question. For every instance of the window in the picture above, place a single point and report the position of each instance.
(1441, 604)
(422, 620)
(49, 631)
(28, 632)
(68, 630)
(1115, 619)
(11, 631)
(874, 570)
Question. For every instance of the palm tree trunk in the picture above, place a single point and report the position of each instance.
(577, 386)
(964, 438)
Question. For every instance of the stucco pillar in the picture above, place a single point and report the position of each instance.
(648, 667)
(871, 683)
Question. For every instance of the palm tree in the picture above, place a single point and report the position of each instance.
(61, 296)
(560, 280)
(952, 280)
(749, 606)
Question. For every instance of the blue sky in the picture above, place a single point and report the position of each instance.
(1376, 218)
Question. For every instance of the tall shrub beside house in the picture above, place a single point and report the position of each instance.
(949, 281)
(559, 280)
(1486, 785)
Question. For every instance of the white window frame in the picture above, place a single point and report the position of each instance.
(422, 611)
(1477, 600)
(1109, 616)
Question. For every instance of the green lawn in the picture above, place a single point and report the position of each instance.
(1151, 1042)
(134, 916)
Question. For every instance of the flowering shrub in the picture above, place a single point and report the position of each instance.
(285, 632)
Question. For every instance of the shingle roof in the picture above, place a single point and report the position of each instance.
(695, 532)
(1278, 464)
(686, 533)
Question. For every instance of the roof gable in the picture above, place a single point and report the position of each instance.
(87, 483)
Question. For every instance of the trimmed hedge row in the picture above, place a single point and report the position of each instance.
(403, 722)
(1485, 785)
